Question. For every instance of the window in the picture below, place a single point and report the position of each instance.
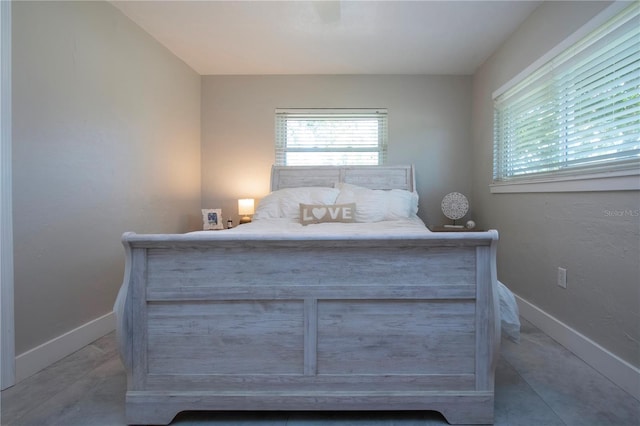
(331, 137)
(577, 114)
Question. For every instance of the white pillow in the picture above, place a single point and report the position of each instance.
(371, 206)
(378, 205)
(268, 207)
(285, 203)
(401, 204)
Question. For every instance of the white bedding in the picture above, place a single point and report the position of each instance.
(292, 229)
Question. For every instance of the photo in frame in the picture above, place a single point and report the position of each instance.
(212, 219)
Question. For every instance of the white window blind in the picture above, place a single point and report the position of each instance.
(331, 137)
(578, 113)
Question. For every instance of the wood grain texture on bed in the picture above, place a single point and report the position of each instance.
(282, 324)
(373, 177)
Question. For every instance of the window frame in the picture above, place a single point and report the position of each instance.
(587, 180)
(281, 115)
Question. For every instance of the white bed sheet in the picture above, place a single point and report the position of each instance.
(412, 227)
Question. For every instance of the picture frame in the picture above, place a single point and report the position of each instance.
(212, 219)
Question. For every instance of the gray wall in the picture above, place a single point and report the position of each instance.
(106, 139)
(429, 121)
(541, 231)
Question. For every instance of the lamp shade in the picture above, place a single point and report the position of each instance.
(246, 206)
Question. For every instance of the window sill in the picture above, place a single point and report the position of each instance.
(628, 180)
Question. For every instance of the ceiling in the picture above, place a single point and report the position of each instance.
(330, 37)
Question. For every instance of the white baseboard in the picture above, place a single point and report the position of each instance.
(606, 363)
(34, 360)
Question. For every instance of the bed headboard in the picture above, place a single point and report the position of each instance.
(373, 177)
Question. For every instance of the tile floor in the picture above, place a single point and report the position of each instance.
(538, 383)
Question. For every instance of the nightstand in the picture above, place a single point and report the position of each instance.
(440, 228)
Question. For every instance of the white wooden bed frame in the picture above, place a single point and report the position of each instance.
(281, 324)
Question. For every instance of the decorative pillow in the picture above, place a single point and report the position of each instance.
(285, 203)
(321, 213)
(378, 205)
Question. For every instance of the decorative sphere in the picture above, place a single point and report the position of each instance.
(471, 224)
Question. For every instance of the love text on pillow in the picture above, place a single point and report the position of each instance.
(319, 213)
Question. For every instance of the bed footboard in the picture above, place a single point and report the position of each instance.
(370, 324)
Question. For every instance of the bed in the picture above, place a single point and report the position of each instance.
(376, 317)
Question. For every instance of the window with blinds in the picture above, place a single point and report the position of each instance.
(577, 114)
(331, 137)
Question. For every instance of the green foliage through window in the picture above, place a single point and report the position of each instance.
(331, 137)
(579, 113)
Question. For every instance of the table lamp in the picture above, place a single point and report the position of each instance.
(245, 209)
